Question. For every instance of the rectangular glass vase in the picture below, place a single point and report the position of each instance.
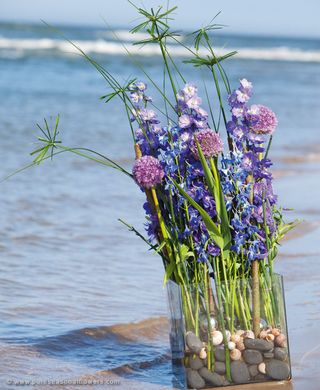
(212, 334)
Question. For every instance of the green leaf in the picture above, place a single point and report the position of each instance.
(213, 182)
(212, 228)
(185, 252)
(222, 209)
(286, 227)
(169, 271)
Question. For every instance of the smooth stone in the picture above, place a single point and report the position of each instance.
(268, 355)
(195, 381)
(280, 353)
(252, 356)
(260, 377)
(240, 372)
(276, 369)
(219, 354)
(253, 370)
(258, 344)
(193, 342)
(211, 378)
(195, 363)
(220, 368)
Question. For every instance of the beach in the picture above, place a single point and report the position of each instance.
(81, 298)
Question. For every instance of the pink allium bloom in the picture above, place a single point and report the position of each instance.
(147, 172)
(262, 120)
(210, 143)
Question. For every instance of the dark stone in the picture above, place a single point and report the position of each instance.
(239, 372)
(268, 355)
(219, 354)
(253, 370)
(260, 377)
(195, 381)
(280, 353)
(195, 363)
(258, 344)
(276, 369)
(211, 378)
(252, 356)
(193, 342)
(220, 367)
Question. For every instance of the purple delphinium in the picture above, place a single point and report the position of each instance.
(245, 176)
(254, 200)
(147, 172)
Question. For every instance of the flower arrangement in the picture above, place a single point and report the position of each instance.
(211, 212)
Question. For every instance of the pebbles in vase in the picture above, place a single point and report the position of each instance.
(239, 372)
(277, 369)
(195, 381)
(211, 378)
(193, 342)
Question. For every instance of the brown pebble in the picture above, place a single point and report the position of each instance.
(270, 337)
(240, 346)
(280, 341)
(263, 334)
(235, 338)
(248, 334)
(275, 332)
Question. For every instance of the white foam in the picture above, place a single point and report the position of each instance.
(101, 46)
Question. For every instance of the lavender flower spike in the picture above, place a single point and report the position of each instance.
(147, 172)
(210, 143)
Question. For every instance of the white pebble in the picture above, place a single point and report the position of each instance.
(262, 368)
(217, 337)
(203, 354)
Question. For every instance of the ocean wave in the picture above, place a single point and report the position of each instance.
(16, 48)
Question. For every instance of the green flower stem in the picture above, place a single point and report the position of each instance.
(210, 355)
(220, 316)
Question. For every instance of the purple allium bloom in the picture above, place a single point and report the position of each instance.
(185, 121)
(261, 119)
(210, 143)
(147, 172)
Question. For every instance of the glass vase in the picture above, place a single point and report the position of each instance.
(211, 333)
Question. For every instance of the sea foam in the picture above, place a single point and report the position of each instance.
(12, 47)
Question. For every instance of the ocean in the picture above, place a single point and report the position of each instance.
(71, 274)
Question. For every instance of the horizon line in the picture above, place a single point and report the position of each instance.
(125, 28)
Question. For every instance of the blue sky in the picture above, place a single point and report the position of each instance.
(269, 17)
